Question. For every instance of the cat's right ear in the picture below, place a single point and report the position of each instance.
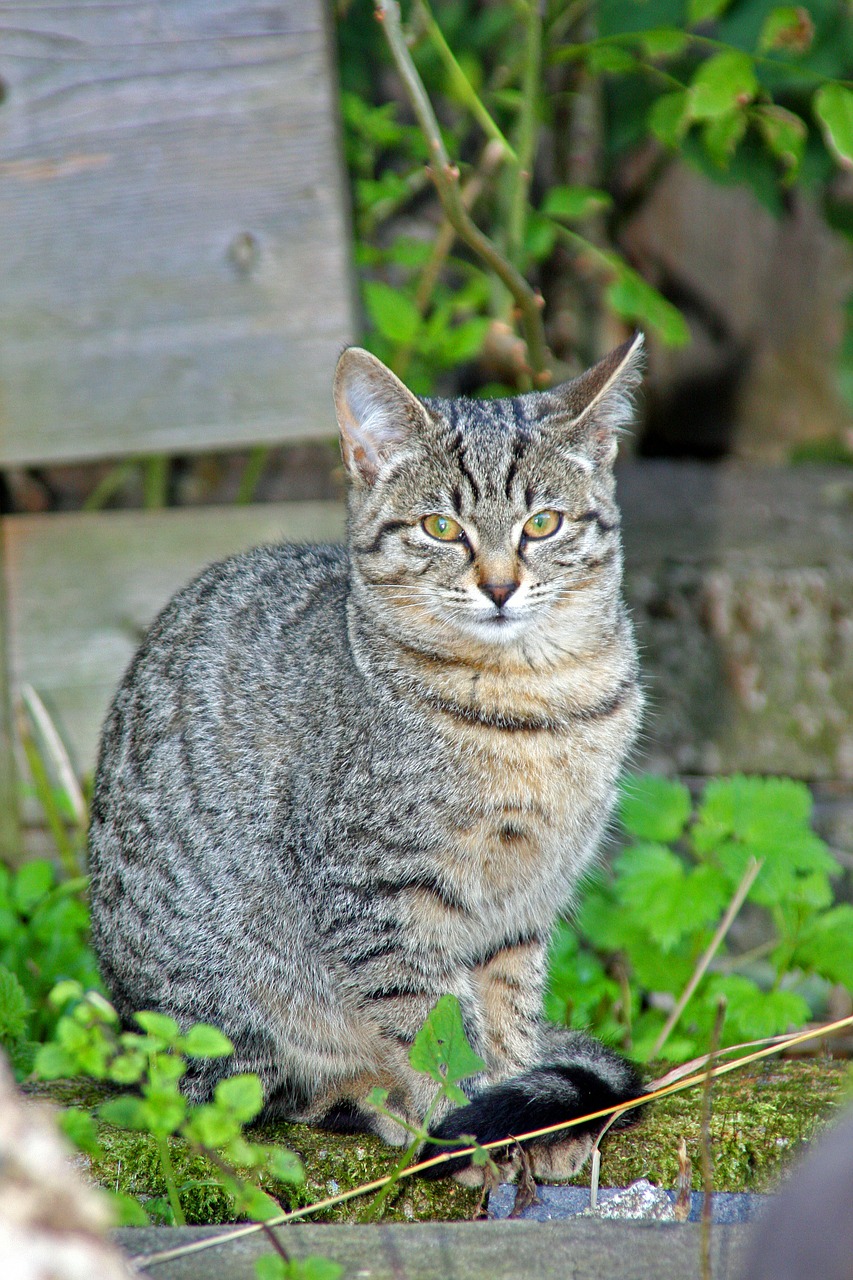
(378, 416)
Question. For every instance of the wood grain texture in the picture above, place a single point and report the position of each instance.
(175, 249)
(84, 588)
(9, 826)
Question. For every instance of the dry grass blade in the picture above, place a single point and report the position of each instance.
(55, 749)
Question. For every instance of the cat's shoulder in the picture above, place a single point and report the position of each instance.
(254, 592)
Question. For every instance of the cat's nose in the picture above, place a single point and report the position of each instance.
(498, 592)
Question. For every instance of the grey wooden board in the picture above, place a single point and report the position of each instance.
(8, 781)
(84, 588)
(175, 249)
(573, 1250)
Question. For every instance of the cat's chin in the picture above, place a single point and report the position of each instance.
(501, 628)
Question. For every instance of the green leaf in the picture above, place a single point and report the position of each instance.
(663, 42)
(243, 1096)
(272, 1267)
(256, 1204)
(204, 1041)
(286, 1166)
(827, 948)
(125, 1113)
(55, 1062)
(654, 808)
(80, 1129)
(789, 28)
(441, 1048)
(392, 312)
(159, 1025)
(64, 992)
(127, 1068)
(602, 59)
(31, 883)
(722, 84)
(632, 297)
(669, 117)
(574, 203)
(128, 1211)
(833, 107)
(212, 1126)
(784, 134)
(652, 884)
(14, 1007)
(723, 135)
(315, 1268)
(705, 10)
(752, 1013)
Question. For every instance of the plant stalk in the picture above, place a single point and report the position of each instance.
(446, 179)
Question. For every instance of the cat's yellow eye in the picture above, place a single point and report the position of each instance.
(542, 524)
(443, 527)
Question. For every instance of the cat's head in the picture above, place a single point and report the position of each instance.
(485, 525)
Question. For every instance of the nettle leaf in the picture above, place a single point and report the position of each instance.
(752, 1013)
(722, 84)
(784, 134)
(315, 1268)
(243, 1096)
(392, 312)
(256, 1204)
(205, 1041)
(31, 883)
(722, 136)
(441, 1049)
(652, 885)
(789, 28)
(633, 298)
(705, 10)
(14, 1007)
(654, 808)
(827, 948)
(833, 108)
(574, 203)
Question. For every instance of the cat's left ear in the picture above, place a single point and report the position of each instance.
(601, 401)
(378, 416)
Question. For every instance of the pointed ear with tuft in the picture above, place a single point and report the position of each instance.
(378, 416)
(601, 401)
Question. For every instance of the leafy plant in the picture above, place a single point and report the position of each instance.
(644, 930)
(523, 114)
(44, 930)
(89, 1041)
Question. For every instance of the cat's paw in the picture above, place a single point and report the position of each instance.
(536, 1100)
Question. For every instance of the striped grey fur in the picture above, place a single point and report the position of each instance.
(337, 783)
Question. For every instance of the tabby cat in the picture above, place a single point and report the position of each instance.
(338, 782)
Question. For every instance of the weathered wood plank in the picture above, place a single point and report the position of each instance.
(175, 248)
(9, 826)
(84, 588)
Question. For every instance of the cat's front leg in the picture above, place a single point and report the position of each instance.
(510, 983)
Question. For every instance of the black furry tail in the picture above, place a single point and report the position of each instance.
(539, 1098)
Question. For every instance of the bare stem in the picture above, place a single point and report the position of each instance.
(446, 178)
(526, 129)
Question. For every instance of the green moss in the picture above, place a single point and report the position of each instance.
(760, 1119)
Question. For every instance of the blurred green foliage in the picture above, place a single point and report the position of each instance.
(539, 107)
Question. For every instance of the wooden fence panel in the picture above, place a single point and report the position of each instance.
(175, 249)
(83, 589)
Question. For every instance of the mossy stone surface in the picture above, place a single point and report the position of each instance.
(761, 1118)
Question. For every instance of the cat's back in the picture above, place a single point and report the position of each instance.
(216, 701)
